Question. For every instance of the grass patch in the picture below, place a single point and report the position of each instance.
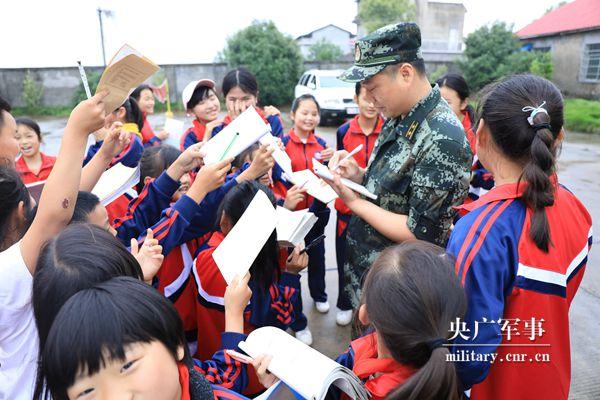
(62, 111)
(582, 115)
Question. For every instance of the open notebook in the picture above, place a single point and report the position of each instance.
(314, 185)
(301, 367)
(115, 181)
(236, 137)
(325, 173)
(280, 156)
(125, 71)
(239, 249)
(293, 226)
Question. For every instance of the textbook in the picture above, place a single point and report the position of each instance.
(325, 173)
(175, 129)
(126, 70)
(115, 181)
(239, 249)
(293, 226)
(236, 137)
(302, 368)
(314, 185)
(35, 189)
(280, 156)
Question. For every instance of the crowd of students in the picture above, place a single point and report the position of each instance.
(100, 301)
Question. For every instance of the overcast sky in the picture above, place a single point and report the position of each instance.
(60, 32)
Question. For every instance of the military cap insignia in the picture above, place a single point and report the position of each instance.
(357, 53)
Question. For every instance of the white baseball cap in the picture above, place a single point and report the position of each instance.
(188, 91)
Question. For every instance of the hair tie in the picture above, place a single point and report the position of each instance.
(540, 126)
(434, 344)
(533, 111)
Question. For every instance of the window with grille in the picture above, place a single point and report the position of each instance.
(591, 63)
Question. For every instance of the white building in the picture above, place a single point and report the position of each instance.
(330, 33)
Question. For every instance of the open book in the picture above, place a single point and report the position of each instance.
(281, 157)
(236, 137)
(301, 367)
(175, 129)
(293, 226)
(325, 173)
(125, 71)
(239, 249)
(314, 185)
(115, 181)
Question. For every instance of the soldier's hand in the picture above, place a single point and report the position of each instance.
(346, 168)
(344, 192)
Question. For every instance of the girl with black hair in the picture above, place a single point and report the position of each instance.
(240, 91)
(455, 91)
(521, 250)
(200, 101)
(145, 99)
(410, 298)
(33, 165)
(22, 236)
(121, 339)
(274, 292)
(302, 144)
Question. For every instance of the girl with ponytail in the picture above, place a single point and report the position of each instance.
(521, 249)
(411, 296)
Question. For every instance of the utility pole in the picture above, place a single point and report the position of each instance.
(107, 13)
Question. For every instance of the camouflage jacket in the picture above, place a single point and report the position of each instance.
(420, 167)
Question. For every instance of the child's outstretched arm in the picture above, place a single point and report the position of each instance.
(60, 192)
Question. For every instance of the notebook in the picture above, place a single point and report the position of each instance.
(239, 249)
(175, 129)
(236, 137)
(125, 71)
(281, 157)
(325, 173)
(315, 186)
(115, 181)
(293, 226)
(302, 368)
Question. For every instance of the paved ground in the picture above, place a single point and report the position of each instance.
(579, 170)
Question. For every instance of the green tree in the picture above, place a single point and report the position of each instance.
(542, 65)
(486, 50)
(32, 93)
(374, 14)
(274, 58)
(324, 50)
(80, 95)
(535, 62)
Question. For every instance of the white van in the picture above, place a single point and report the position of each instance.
(335, 97)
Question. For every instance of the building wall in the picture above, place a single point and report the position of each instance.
(60, 84)
(332, 34)
(567, 53)
(441, 25)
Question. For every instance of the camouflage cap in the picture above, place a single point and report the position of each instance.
(392, 44)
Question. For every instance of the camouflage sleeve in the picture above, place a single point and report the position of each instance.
(439, 182)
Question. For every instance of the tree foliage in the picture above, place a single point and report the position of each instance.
(274, 58)
(494, 51)
(32, 93)
(374, 14)
(324, 50)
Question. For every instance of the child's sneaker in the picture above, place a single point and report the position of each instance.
(343, 317)
(304, 336)
(322, 306)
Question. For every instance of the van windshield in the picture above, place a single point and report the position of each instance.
(333, 82)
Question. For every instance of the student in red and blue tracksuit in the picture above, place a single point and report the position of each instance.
(130, 116)
(274, 292)
(302, 145)
(521, 250)
(200, 100)
(144, 96)
(362, 130)
(240, 90)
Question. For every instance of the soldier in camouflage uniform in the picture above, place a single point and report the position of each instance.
(420, 165)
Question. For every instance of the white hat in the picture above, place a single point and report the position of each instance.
(188, 91)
